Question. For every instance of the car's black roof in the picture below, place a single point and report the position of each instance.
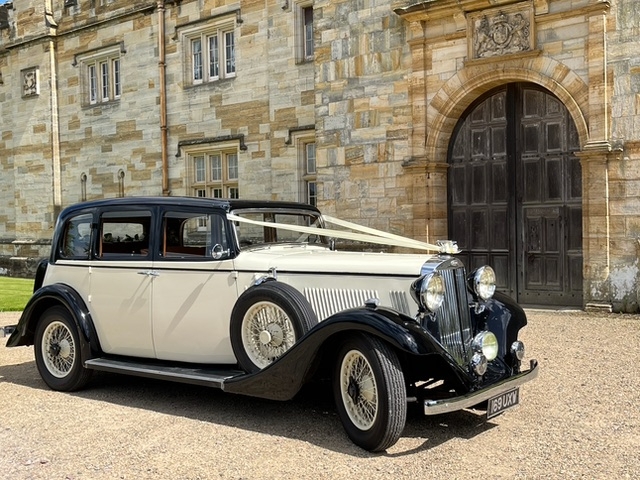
(223, 203)
(220, 203)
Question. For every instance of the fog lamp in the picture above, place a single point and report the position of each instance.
(487, 344)
(517, 349)
(479, 363)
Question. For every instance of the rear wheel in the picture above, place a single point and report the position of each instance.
(57, 351)
(370, 392)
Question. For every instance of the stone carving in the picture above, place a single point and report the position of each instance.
(501, 34)
(30, 85)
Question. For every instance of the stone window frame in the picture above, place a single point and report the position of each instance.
(309, 176)
(219, 29)
(304, 51)
(101, 74)
(302, 138)
(202, 176)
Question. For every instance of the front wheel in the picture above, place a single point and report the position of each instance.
(57, 351)
(370, 392)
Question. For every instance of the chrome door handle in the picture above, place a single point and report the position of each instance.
(149, 273)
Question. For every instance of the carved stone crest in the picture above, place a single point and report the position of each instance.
(30, 83)
(501, 32)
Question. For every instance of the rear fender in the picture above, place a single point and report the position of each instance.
(50, 296)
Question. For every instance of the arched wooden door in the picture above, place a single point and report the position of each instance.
(515, 194)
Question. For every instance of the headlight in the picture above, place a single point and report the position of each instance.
(428, 291)
(484, 282)
(486, 343)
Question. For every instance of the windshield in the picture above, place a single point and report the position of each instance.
(250, 235)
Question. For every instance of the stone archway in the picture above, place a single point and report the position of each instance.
(515, 194)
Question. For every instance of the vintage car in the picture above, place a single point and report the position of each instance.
(253, 297)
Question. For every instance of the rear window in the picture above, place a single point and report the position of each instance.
(76, 237)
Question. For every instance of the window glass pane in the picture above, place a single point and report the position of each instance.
(76, 238)
(216, 167)
(308, 31)
(230, 53)
(232, 165)
(233, 192)
(196, 52)
(251, 235)
(201, 192)
(104, 73)
(116, 77)
(93, 84)
(124, 234)
(312, 196)
(214, 61)
(199, 169)
(216, 192)
(189, 235)
(310, 149)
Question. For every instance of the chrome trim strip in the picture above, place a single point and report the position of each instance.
(436, 407)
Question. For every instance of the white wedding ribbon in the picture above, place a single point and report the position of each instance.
(370, 235)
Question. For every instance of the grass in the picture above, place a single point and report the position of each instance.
(14, 293)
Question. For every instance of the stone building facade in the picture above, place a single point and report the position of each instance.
(509, 125)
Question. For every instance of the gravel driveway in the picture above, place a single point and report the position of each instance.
(579, 419)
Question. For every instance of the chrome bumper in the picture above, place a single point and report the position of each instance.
(436, 407)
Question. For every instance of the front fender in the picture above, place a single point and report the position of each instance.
(50, 296)
(283, 378)
(505, 318)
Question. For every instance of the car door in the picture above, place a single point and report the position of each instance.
(121, 282)
(195, 288)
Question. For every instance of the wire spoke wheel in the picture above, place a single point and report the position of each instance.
(266, 321)
(370, 393)
(359, 390)
(59, 349)
(267, 332)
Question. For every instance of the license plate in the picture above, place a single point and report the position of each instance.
(502, 402)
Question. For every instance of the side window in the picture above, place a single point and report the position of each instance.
(192, 236)
(76, 239)
(124, 235)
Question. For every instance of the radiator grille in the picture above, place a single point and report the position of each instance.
(454, 318)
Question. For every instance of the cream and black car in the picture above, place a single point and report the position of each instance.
(254, 298)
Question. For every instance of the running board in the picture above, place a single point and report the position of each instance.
(196, 376)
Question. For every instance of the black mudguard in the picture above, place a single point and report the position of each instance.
(285, 377)
(504, 318)
(50, 296)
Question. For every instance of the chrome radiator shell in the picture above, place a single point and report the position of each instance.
(454, 329)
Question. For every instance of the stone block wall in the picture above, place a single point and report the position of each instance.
(363, 113)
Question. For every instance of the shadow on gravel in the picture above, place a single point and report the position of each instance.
(24, 374)
(311, 416)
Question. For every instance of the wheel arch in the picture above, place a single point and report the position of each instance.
(50, 296)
